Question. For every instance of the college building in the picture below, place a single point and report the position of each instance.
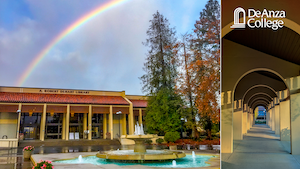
(39, 113)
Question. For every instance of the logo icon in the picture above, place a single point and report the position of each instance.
(236, 17)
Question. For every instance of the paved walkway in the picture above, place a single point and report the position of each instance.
(260, 149)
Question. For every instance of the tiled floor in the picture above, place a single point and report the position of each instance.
(14, 162)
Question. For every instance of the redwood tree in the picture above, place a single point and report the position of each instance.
(206, 48)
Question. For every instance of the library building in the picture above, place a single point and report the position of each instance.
(39, 114)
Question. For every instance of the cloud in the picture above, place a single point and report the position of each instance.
(106, 53)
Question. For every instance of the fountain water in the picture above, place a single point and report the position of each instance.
(173, 163)
(193, 154)
(80, 158)
(139, 130)
(140, 153)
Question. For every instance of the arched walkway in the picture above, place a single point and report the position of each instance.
(260, 67)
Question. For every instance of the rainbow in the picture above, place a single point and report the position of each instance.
(90, 15)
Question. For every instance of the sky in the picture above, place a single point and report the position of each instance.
(105, 53)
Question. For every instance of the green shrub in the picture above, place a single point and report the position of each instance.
(148, 141)
(159, 140)
(260, 122)
(172, 136)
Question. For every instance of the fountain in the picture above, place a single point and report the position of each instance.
(80, 159)
(140, 153)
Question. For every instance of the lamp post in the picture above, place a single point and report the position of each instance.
(182, 120)
(119, 112)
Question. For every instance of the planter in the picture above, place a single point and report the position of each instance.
(203, 147)
(173, 147)
(188, 146)
(26, 155)
(216, 147)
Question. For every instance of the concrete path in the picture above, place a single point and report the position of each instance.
(260, 149)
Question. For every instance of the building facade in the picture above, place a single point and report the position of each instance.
(39, 114)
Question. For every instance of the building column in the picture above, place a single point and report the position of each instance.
(63, 133)
(285, 129)
(249, 121)
(267, 118)
(90, 123)
(124, 132)
(110, 123)
(295, 124)
(270, 119)
(67, 122)
(19, 119)
(245, 122)
(43, 123)
(227, 130)
(252, 120)
(237, 125)
(140, 116)
(131, 123)
(277, 120)
(273, 119)
(104, 126)
(84, 124)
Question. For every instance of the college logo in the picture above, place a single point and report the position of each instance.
(236, 18)
(258, 19)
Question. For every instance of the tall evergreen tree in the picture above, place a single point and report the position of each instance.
(159, 81)
(160, 66)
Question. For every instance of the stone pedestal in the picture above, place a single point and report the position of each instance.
(139, 146)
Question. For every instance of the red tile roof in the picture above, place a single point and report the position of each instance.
(61, 98)
(139, 103)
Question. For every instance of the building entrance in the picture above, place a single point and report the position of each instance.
(29, 133)
(97, 128)
(30, 125)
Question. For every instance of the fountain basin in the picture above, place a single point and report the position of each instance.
(186, 162)
(149, 155)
